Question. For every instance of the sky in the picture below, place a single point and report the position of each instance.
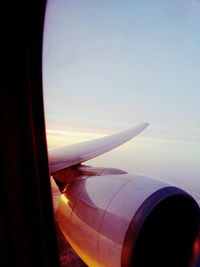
(109, 65)
(113, 64)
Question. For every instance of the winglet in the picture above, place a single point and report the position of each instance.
(64, 157)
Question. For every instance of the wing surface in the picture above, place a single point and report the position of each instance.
(67, 156)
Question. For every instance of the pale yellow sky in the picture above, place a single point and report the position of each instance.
(56, 137)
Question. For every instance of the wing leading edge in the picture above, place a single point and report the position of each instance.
(67, 156)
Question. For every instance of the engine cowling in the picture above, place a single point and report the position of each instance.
(129, 220)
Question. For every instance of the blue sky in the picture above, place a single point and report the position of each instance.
(113, 64)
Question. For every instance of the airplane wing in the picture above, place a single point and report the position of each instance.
(117, 211)
(67, 156)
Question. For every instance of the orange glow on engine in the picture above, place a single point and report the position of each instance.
(64, 199)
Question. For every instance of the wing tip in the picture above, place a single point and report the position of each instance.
(145, 124)
(140, 127)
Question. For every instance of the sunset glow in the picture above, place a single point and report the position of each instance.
(64, 199)
(56, 138)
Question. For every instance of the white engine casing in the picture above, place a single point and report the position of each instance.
(95, 214)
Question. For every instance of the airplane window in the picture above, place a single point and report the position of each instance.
(110, 65)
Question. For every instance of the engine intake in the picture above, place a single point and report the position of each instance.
(163, 232)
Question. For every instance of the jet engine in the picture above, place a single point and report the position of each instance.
(129, 220)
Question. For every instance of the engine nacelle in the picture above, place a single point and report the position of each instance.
(129, 220)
